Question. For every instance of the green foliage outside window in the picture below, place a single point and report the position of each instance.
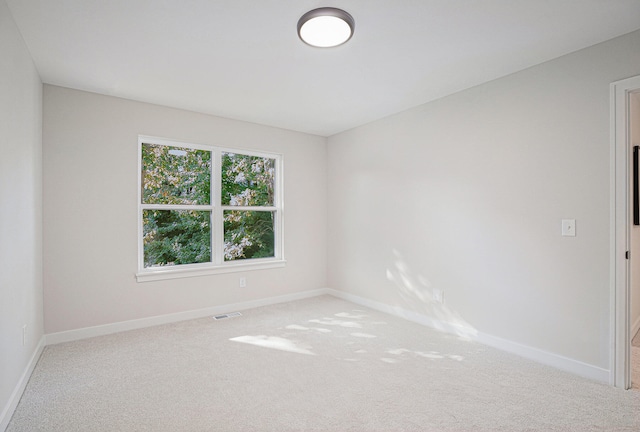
(247, 181)
(174, 237)
(182, 177)
(174, 175)
(248, 234)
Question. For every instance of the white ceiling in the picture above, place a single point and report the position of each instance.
(242, 59)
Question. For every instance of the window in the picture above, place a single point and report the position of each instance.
(205, 209)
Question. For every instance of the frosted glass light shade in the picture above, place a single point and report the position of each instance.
(326, 27)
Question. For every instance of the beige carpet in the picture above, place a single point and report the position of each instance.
(320, 364)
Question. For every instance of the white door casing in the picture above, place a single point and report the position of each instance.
(620, 358)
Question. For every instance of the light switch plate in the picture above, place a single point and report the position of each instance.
(569, 227)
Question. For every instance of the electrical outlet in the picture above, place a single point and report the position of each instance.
(438, 296)
(243, 282)
(568, 227)
(24, 335)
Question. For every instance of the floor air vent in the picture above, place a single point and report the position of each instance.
(225, 316)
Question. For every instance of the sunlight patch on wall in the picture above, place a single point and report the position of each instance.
(417, 290)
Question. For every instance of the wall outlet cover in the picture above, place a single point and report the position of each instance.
(569, 227)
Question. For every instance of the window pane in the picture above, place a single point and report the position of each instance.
(247, 180)
(175, 175)
(248, 234)
(173, 237)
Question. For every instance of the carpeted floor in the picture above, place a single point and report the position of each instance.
(320, 364)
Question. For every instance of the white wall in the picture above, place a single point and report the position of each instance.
(635, 230)
(90, 229)
(466, 195)
(20, 211)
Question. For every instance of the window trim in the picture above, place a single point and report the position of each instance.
(217, 265)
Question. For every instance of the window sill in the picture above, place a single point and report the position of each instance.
(157, 274)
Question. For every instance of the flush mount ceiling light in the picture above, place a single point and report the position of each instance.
(326, 27)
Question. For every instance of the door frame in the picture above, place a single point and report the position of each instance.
(620, 292)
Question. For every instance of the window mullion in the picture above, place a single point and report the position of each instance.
(217, 223)
(175, 207)
(250, 208)
(250, 229)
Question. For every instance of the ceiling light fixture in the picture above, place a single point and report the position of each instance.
(326, 27)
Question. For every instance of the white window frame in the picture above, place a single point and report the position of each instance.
(217, 264)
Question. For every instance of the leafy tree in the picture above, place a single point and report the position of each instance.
(176, 237)
(182, 176)
(176, 176)
(248, 181)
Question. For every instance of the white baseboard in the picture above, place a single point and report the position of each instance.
(540, 356)
(8, 410)
(88, 332)
(557, 361)
(416, 317)
(550, 359)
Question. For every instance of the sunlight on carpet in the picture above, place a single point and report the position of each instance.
(360, 370)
